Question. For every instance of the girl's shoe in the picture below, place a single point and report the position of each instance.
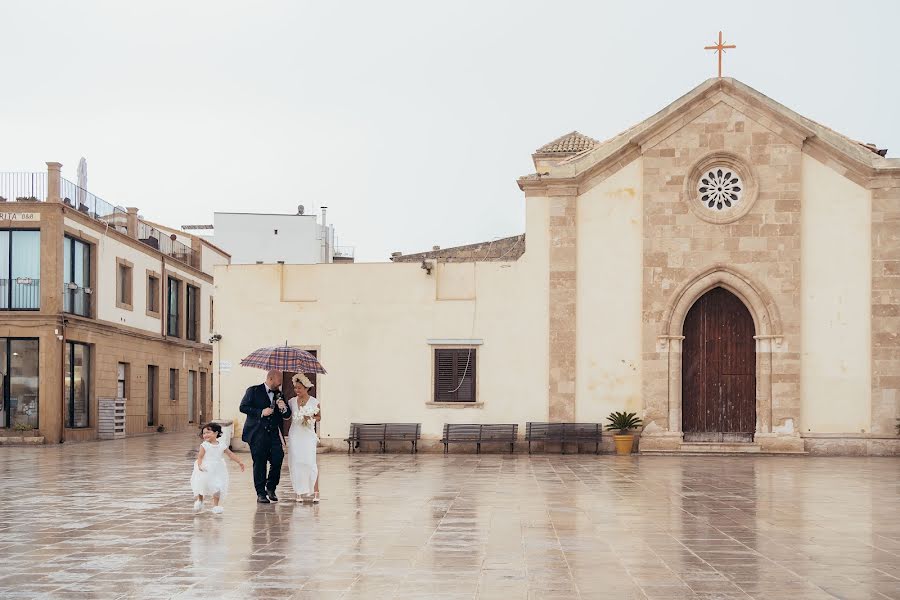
(315, 498)
(218, 510)
(198, 506)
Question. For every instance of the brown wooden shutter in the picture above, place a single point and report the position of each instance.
(454, 368)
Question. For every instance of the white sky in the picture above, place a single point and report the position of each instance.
(410, 120)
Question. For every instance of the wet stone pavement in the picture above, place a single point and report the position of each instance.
(113, 520)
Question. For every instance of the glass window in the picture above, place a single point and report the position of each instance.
(78, 375)
(19, 382)
(192, 381)
(193, 310)
(173, 385)
(20, 269)
(77, 277)
(123, 285)
(173, 325)
(153, 294)
(122, 372)
(152, 393)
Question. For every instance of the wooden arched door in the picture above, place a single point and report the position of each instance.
(718, 392)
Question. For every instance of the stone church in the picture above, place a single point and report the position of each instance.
(728, 269)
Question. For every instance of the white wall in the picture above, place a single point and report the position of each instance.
(836, 305)
(251, 237)
(371, 324)
(610, 240)
(104, 296)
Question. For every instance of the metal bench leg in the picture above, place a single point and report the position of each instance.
(445, 448)
(478, 448)
(529, 446)
(512, 447)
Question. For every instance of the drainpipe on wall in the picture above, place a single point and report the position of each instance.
(324, 235)
(62, 381)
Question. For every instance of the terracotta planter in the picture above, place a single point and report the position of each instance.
(624, 443)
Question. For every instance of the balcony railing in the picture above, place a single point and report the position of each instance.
(23, 187)
(24, 295)
(343, 251)
(76, 300)
(154, 238)
(85, 202)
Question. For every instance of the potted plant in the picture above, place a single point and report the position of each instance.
(622, 422)
(161, 428)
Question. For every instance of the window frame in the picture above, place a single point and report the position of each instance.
(150, 296)
(70, 405)
(5, 391)
(9, 292)
(192, 321)
(69, 276)
(472, 353)
(126, 382)
(179, 307)
(174, 385)
(152, 393)
(126, 286)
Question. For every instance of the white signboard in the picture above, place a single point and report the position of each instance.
(20, 216)
(225, 366)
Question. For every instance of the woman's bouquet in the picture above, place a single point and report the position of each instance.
(306, 414)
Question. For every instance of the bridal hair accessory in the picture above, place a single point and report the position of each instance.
(302, 380)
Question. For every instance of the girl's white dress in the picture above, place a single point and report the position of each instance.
(214, 480)
(302, 442)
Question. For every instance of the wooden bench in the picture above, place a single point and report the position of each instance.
(382, 433)
(564, 433)
(473, 433)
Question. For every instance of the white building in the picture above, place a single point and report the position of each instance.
(294, 239)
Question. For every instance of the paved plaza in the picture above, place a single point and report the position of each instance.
(113, 520)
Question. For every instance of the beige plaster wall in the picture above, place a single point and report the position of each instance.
(836, 302)
(609, 296)
(372, 323)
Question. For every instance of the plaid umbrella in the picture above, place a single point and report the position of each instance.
(283, 358)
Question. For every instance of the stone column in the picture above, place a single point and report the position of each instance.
(54, 181)
(763, 384)
(674, 345)
(132, 222)
(563, 287)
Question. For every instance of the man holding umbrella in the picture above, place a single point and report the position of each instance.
(265, 408)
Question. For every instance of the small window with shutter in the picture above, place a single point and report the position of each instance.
(454, 374)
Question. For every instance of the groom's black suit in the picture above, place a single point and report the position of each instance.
(262, 435)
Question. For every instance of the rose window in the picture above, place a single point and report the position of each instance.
(720, 188)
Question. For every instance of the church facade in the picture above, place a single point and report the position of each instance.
(728, 269)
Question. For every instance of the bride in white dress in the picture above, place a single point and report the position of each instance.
(302, 441)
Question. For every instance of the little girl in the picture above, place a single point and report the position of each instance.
(210, 476)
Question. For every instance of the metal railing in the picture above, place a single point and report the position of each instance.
(23, 187)
(24, 295)
(154, 238)
(344, 251)
(76, 300)
(85, 202)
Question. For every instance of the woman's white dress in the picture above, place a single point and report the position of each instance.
(302, 442)
(214, 480)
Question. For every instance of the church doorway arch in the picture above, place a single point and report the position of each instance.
(719, 391)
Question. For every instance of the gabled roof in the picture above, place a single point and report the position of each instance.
(570, 143)
(839, 149)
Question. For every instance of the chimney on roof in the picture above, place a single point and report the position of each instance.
(131, 223)
(435, 248)
(396, 255)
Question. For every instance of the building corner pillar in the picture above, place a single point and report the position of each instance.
(563, 302)
(54, 181)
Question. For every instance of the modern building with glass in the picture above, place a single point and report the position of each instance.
(97, 303)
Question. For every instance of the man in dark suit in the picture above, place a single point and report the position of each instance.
(265, 408)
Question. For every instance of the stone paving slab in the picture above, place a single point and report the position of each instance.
(112, 519)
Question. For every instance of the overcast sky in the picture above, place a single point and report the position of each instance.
(410, 120)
